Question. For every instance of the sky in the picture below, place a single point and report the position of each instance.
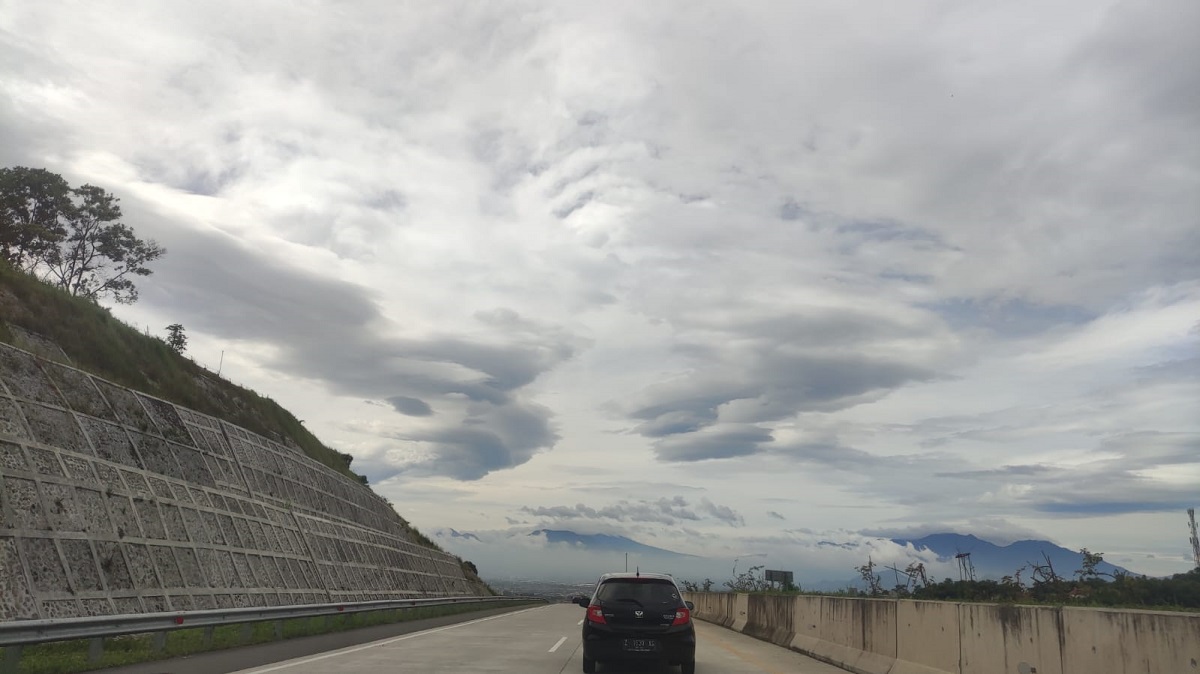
(730, 279)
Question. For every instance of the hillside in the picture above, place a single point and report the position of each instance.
(57, 326)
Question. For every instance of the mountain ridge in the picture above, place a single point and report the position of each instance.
(606, 542)
(996, 561)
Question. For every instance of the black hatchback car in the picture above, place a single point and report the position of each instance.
(638, 616)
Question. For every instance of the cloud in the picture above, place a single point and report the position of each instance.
(774, 515)
(757, 369)
(669, 511)
(937, 273)
(723, 513)
(720, 444)
(470, 391)
(491, 438)
(410, 406)
(992, 529)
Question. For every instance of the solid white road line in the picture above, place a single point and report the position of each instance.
(579, 623)
(555, 646)
(355, 649)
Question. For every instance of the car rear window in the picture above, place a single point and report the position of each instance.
(643, 591)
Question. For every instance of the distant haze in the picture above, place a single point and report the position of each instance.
(817, 563)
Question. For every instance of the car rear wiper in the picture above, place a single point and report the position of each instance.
(630, 599)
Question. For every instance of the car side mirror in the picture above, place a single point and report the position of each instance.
(690, 605)
(582, 601)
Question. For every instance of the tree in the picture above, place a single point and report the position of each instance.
(1091, 560)
(176, 339)
(33, 206)
(98, 255)
(748, 581)
(870, 578)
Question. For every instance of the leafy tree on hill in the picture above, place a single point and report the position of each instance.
(33, 205)
(71, 238)
(176, 339)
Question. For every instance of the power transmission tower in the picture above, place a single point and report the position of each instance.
(966, 569)
(1195, 541)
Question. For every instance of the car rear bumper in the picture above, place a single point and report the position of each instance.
(671, 648)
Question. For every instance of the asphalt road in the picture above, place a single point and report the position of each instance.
(539, 640)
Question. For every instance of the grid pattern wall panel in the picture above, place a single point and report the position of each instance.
(115, 502)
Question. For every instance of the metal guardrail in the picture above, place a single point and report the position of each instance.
(26, 632)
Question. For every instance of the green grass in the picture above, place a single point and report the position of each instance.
(105, 346)
(67, 657)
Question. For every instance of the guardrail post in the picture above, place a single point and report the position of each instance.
(278, 630)
(95, 649)
(12, 660)
(247, 632)
(207, 638)
(160, 642)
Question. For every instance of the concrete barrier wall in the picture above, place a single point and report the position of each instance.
(885, 636)
(771, 618)
(117, 502)
(714, 607)
(859, 635)
(928, 639)
(998, 639)
(1147, 641)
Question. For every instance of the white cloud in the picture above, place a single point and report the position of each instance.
(858, 266)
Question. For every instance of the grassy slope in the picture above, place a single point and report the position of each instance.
(97, 342)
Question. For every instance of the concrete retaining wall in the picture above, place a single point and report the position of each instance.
(116, 502)
(715, 607)
(887, 636)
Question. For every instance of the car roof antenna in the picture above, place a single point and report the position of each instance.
(639, 571)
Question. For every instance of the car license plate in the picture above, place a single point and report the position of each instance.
(640, 645)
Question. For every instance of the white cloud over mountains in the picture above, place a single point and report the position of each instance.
(841, 266)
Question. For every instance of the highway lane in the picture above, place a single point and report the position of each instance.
(540, 640)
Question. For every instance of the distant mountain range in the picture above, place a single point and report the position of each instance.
(607, 543)
(452, 533)
(991, 561)
(996, 561)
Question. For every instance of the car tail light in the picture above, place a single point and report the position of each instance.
(682, 616)
(596, 615)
